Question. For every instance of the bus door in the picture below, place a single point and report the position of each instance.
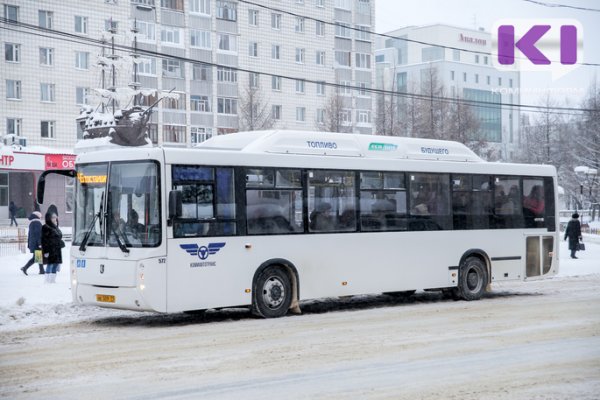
(539, 212)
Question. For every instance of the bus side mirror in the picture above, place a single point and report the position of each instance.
(175, 204)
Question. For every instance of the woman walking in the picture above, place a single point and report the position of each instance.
(573, 233)
(52, 245)
(34, 240)
(12, 213)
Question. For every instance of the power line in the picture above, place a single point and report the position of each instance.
(555, 5)
(486, 53)
(69, 37)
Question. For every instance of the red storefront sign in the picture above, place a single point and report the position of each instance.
(60, 161)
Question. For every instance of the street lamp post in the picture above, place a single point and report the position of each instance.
(586, 176)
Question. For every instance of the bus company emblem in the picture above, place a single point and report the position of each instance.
(382, 146)
(203, 251)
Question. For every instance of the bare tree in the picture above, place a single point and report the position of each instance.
(336, 116)
(254, 111)
(389, 107)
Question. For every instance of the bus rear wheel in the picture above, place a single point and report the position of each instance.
(272, 293)
(472, 279)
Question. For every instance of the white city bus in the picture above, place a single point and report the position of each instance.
(268, 219)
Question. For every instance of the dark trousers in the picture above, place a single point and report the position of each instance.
(573, 253)
(13, 219)
(31, 262)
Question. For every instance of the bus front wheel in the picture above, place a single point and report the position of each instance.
(272, 293)
(472, 279)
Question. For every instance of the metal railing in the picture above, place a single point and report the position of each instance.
(13, 241)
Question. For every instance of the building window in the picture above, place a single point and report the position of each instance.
(47, 129)
(364, 7)
(485, 60)
(499, 81)
(510, 82)
(300, 85)
(110, 25)
(342, 58)
(200, 7)
(320, 58)
(226, 105)
(175, 5)
(299, 25)
(451, 75)
(227, 42)
(321, 88)
(69, 194)
(170, 35)
(275, 21)
(476, 78)
(363, 117)
(200, 134)
(153, 133)
(200, 39)
(45, 19)
(362, 91)
(146, 31)
(253, 80)
(147, 97)
(173, 133)
(225, 74)
(343, 4)
(11, 13)
(344, 88)
(456, 55)
(476, 58)
(46, 56)
(47, 91)
(13, 126)
(320, 115)
(320, 3)
(276, 52)
(300, 55)
(172, 68)
(81, 95)
(227, 10)
(253, 49)
(12, 52)
(276, 112)
(82, 59)
(276, 82)
(320, 28)
(147, 66)
(13, 89)
(464, 76)
(363, 60)
(253, 17)
(81, 24)
(343, 30)
(200, 103)
(200, 72)
(362, 33)
(300, 114)
(488, 80)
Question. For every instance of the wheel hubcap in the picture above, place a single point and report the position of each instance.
(273, 292)
(473, 281)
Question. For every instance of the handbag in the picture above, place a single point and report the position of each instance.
(581, 246)
(38, 257)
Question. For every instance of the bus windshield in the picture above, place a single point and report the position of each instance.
(132, 213)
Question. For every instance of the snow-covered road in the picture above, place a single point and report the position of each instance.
(536, 340)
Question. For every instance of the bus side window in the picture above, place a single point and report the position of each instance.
(331, 201)
(534, 204)
(274, 201)
(508, 212)
(429, 202)
(383, 201)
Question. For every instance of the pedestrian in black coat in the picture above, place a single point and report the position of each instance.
(573, 233)
(52, 245)
(53, 210)
(34, 240)
(12, 213)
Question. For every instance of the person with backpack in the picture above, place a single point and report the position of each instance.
(34, 240)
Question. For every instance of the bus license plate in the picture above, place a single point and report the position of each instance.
(105, 298)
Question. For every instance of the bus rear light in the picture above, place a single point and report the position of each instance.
(454, 274)
(247, 290)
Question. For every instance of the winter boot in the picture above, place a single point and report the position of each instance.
(24, 270)
(41, 269)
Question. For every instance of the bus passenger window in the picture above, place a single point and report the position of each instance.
(430, 202)
(270, 210)
(507, 203)
(208, 201)
(383, 209)
(331, 201)
(533, 203)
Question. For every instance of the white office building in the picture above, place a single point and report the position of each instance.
(406, 56)
(197, 48)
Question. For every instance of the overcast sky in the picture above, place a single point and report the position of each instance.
(393, 14)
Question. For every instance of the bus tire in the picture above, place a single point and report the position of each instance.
(472, 279)
(272, 293)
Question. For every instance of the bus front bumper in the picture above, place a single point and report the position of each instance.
(125, 298)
